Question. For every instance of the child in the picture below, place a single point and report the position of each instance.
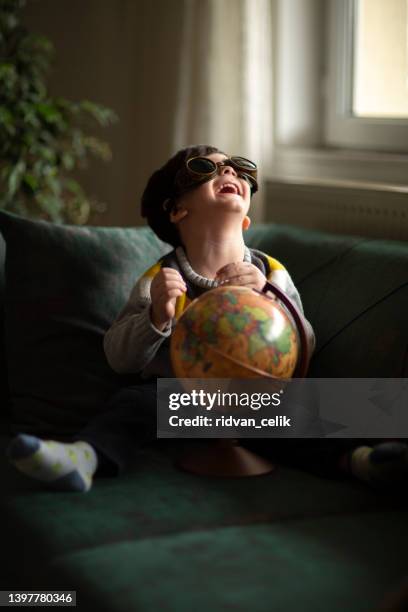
(198, 202)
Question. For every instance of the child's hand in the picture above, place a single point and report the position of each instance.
(166, 287)
(241, 273)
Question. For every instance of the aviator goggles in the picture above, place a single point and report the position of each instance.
(201, 169)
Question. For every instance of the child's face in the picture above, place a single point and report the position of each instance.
(225, 192)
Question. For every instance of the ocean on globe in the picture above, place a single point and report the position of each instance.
(235, 332)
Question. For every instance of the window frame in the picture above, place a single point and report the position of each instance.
(342, 128)
(302, 44)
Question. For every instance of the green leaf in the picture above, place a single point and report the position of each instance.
(49, 112)
(31, 181)
(103, 115)
(98, 148)
(78, 210)
(68, 160)
(7, 121)
(74, 187)
(15, 178)
(51, 204)
(53, 184)
(8, 76)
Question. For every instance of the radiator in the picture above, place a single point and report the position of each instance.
(341, 207)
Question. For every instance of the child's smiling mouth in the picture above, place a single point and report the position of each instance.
(228, 188)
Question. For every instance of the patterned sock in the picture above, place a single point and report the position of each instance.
(65, 467)
(384, 465)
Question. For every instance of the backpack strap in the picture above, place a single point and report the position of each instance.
(170, 261)
(265, 263)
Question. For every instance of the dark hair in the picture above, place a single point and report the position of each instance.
(160, 187)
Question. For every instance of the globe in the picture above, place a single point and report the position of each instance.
(235, 332)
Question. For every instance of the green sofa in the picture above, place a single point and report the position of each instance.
(158, 538)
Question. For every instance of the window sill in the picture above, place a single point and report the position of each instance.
(322, 164)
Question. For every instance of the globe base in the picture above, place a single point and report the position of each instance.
(225, 458)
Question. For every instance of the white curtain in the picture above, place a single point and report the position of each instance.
(224, 92)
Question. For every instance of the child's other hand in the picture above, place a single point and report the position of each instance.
(241, 273)
(166, 287)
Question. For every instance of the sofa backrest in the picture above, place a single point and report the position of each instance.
(355, 294)
(65, 285)
(4, 390)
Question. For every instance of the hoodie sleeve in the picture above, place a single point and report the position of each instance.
(132, 341)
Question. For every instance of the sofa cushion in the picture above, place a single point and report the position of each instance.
(155, 502)
(64, 287)
(313, 565)
(141, 503)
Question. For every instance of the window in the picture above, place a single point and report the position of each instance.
(325, 124)
(367, 85)
(380, 59)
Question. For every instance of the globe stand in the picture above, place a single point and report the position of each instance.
(224, 457)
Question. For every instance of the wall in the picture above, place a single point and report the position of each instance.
(119, 53)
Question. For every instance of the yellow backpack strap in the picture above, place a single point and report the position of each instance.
(170, 260)
(182, 301)
(265, 263)
(274, 264)
(277, 272)
(146, 279)
(180, 305)
(153, 270)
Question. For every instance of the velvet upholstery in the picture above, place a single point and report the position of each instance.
(157, 538)
(355, 293)
(65, 285)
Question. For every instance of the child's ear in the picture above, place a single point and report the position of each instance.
(246, 223)
(177, 214)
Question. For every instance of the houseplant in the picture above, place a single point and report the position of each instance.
(44, 139)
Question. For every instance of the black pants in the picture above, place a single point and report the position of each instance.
(129, 422)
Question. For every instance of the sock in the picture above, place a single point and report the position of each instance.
(65, 467)
(385, 464)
